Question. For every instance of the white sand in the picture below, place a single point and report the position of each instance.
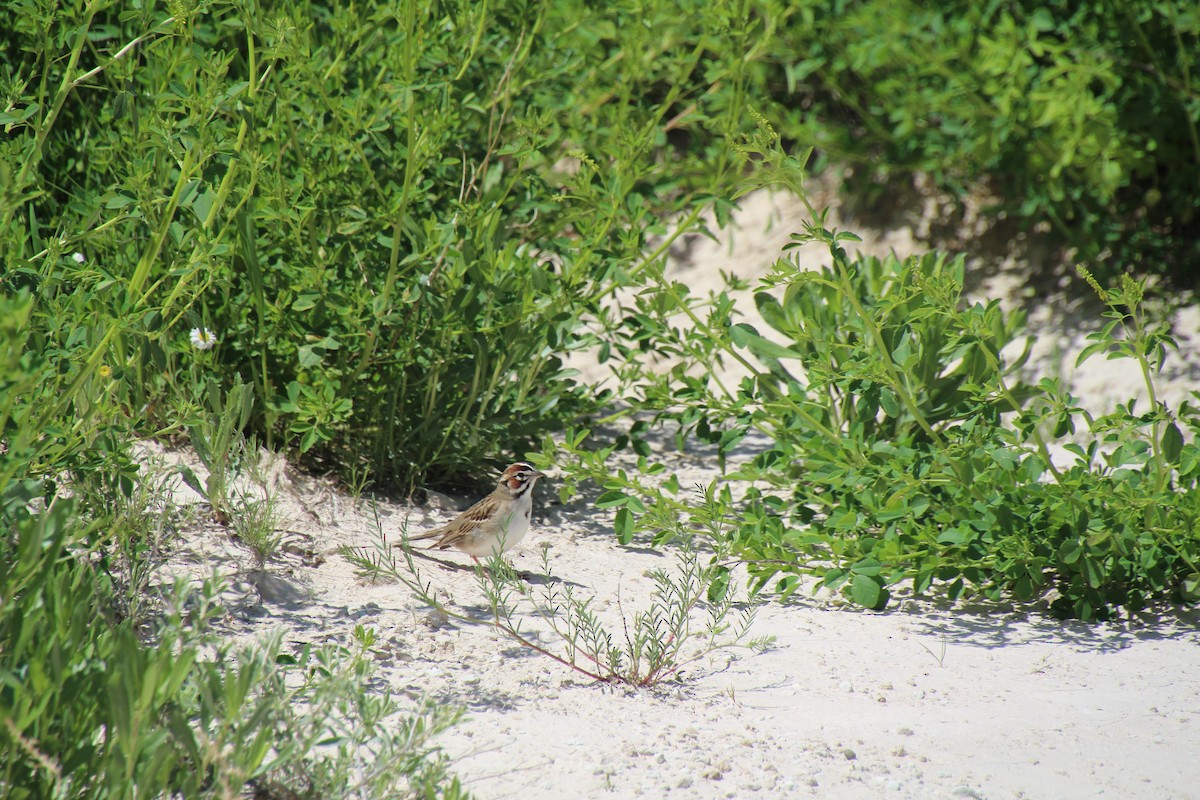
(918, 701)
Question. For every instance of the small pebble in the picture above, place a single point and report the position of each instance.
(435, 619)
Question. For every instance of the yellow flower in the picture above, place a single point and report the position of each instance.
(105, 371)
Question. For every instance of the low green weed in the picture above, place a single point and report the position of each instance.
(351, 741)
(111, 685)
(654, 644)
(89, 707)
(219, 443)
(256, 522)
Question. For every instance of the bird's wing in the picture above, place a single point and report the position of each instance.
(458, 528)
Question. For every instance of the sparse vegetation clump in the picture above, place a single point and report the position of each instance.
(691, 614)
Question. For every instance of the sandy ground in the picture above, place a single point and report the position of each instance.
(918, 701)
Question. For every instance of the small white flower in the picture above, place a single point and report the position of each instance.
(78, 258)
(203, 338)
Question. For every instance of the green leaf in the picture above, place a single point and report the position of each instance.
(305, 302)
(1065, 425)
(956, 535)
(308, 356)
(1070, 551)
(1090, 351)
(918, 505)
(889, 401)
(612, 499)
(1172, 444)
(1189, 459)
(193, 482)
(119, 201)
(772, 312)
(868, 592)
(834, 578)
(902, 354)
(746, 336)
(1093, 571)
(623, 526)
(1190, 588)
(896, 508)
(719, 584)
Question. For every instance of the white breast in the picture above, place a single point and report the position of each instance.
(505, 535)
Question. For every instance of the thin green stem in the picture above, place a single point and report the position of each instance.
(1011, 399)
(1136, 333)
(69, 83)
(149, 257)
(885, 356)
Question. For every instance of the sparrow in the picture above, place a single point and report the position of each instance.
(496, 523)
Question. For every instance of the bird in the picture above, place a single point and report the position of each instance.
(496, 523)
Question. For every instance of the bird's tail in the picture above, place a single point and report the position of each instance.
(433, 534)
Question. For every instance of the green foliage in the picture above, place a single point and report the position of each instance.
(1081, 115)
(88, 709)
(256, 522)
(218, 441)
(102, 692)
(934, 485)
(967, 499)
(395, 217)
(904, 449)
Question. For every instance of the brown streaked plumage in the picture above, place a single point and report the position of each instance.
(496, 523)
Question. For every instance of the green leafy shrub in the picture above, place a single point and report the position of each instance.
(924, 478)
(394, 217)
(904, 446)
(905, 451)
(1082, 115)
